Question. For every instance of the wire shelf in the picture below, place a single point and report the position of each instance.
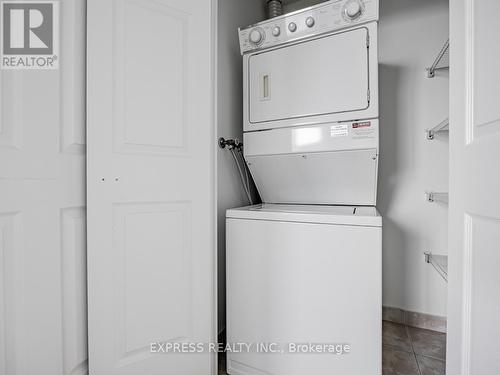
(442, 60)
(439, 262)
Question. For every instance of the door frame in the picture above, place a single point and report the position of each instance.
(215, 97)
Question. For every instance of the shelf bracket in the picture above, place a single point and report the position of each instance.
(441, 61)
(432, 196)
(439, 262)
(443, 126)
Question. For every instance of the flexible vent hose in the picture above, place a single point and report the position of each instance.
(245, 181)
(235, 147)
(274, 8)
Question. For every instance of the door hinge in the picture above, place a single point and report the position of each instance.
(368, 40)
(368, 95)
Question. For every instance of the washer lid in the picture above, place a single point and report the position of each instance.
(340, 215)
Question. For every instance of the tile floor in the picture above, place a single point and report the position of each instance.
(406, 351)
(412, 351)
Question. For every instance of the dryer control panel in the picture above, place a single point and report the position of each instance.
(316, 20)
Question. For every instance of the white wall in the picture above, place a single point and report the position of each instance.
(293, 5)
(232, 14)
(410, 35)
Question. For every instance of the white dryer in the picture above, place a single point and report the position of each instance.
(304, 275)
(316, 65)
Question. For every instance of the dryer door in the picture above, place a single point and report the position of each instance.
(325, 79)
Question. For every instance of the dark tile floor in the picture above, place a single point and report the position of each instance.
(412, 351)
(406, 351)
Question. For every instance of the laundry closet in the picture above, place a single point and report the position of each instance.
(399, 111)
(191, 174)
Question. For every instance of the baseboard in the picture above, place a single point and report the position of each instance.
(414, 319)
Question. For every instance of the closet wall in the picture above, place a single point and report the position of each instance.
(411, 33)
(293, 5)
(231, 15)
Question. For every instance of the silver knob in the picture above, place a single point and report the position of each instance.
(276, 31)
(353, 9)
(292, 26)
(310, 22)
(256, 36)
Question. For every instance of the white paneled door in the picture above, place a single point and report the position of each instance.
(474, 275)
(151, 224)
(43, 322)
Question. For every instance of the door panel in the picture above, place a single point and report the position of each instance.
(43, 322)
(150, 184)
(311, 78)
(474, 200)
(152, 247)
(482, 239)
(161, 88)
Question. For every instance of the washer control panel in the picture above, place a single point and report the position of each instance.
(322, 18)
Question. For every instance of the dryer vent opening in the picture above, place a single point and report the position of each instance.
(274, 8)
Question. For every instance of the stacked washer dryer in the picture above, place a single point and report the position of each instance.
(305, 267)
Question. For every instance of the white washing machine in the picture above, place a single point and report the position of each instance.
(304, 275)
(305, 267)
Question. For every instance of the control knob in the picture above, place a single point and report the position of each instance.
(310, 22)
(353, 9)
(276, 31)
(292, 26)
(256, 36)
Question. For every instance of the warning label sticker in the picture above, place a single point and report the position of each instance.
(363, 130)
(358, 125)
(339, 130)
